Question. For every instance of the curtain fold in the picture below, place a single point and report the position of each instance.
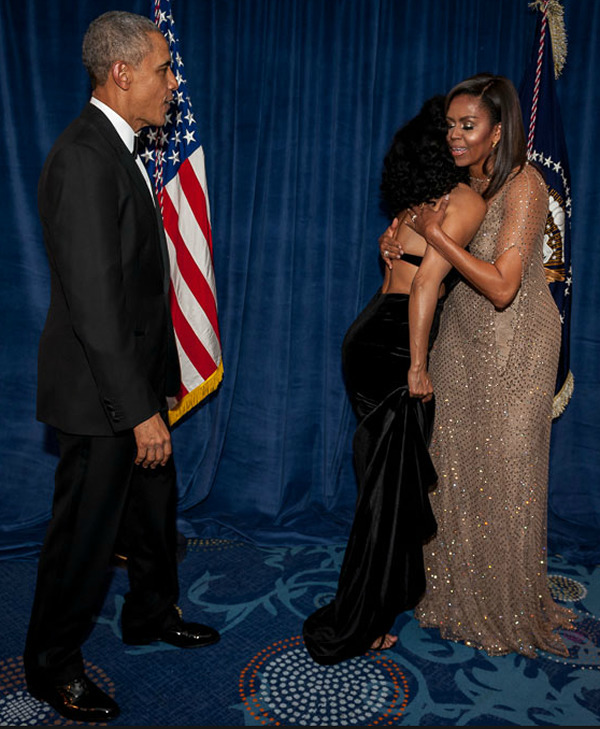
(296, 102)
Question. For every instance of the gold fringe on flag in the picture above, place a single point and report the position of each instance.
(561, 399)
(196, 396)
(558, 34)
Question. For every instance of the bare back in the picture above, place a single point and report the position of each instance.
(464, 214)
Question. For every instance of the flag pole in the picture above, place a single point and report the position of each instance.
(546, 147)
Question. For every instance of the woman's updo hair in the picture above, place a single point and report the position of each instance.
(418, 166)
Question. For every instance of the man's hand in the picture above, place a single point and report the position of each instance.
(153, 442)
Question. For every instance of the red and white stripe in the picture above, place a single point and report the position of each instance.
(186, 217)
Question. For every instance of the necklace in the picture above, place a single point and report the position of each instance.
(479, 184)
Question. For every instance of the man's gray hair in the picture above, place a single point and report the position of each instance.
(115, 36)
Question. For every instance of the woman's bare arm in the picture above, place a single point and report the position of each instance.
(498, 281)
(463, 214)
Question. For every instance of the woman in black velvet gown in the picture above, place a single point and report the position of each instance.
(384, 358)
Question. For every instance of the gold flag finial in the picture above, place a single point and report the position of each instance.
(558, 34)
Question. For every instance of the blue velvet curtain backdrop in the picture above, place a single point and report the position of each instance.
(297, 102)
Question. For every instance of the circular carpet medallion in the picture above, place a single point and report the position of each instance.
(199, 545)
(566, 589)
(583, 642)
(19, 708)
(283, 686)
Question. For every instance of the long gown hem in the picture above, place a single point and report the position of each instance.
(382, 573)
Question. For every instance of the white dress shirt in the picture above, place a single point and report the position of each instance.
(127, 135)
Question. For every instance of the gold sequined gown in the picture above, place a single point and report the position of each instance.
(494, 374)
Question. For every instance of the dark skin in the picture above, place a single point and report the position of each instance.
(461, 213)
(498, 281)
(141, 95)
(471, 137)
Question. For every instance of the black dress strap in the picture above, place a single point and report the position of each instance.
(410, 258)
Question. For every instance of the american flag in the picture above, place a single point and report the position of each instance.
(547, 148)
(174, 159)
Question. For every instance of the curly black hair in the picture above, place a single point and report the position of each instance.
(418, 166)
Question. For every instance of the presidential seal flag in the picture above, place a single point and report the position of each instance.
(174, 159)
(546, 147)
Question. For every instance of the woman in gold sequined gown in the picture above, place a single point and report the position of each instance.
(493, 368)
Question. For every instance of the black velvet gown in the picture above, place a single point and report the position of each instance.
(382, 572)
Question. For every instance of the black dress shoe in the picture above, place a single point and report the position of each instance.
(182, 635)
(80, 700)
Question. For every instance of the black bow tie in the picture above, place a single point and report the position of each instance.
(136, 146)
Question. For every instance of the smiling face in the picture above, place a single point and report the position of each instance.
(471, 133)
(151, 87)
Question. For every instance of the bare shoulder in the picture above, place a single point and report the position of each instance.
(464, 194)
(465, 201)
(464, 214)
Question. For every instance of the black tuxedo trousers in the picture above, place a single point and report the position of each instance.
(99, 491)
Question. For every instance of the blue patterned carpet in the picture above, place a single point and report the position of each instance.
(260, 673)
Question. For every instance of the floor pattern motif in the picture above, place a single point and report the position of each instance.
(260, 673)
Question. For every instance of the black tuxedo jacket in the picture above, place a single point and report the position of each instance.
(107, 356)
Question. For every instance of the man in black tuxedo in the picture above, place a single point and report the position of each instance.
(107, 361)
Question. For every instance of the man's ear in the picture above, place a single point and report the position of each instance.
(121, 74)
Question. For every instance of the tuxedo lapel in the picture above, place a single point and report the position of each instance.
(173, 367)
(152, 208)
(99, 120)
(164, 252)
(128, 161)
